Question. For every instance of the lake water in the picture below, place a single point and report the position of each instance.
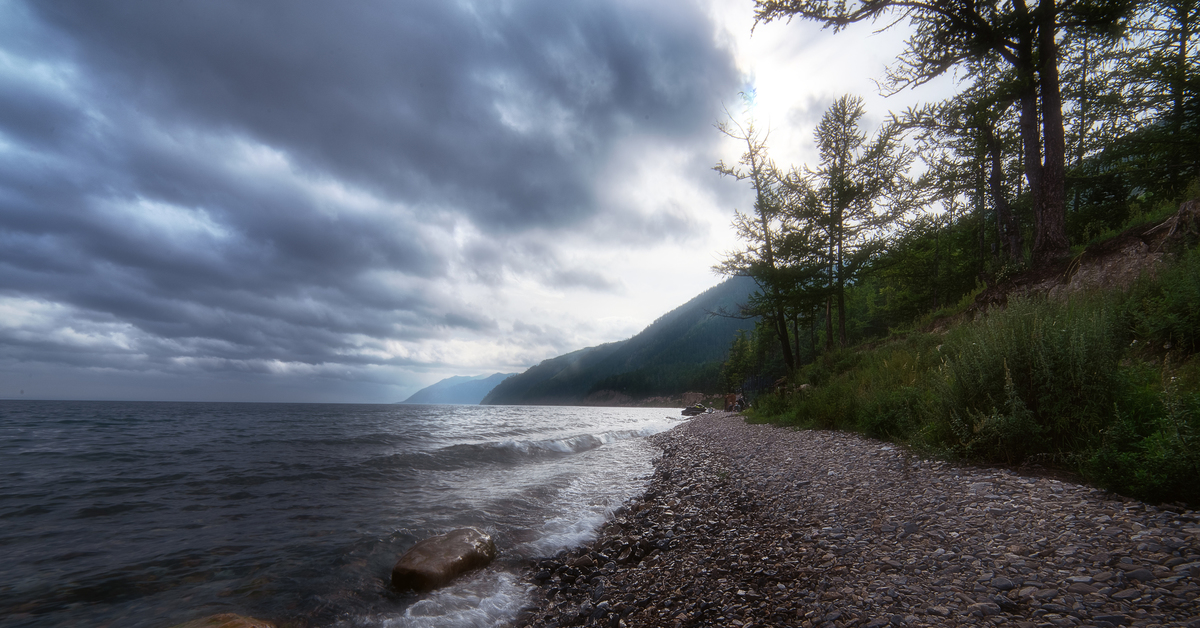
(151, 514)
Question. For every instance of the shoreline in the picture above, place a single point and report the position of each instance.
(754, 525)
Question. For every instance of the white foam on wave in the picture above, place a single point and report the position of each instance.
(583, 442)
(611, 467)
(489, 598)
(590, 499)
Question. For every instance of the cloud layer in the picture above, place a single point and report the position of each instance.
(321, 201)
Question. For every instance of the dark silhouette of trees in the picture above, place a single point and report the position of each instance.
(859, 189)
(759, 230)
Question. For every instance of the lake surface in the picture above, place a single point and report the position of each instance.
(151, 514)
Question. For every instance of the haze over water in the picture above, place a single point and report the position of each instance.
(151, 514)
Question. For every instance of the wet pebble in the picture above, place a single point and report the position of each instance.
(751, 525)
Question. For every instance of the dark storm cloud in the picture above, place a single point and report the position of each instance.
(414, 99)
(255, 181)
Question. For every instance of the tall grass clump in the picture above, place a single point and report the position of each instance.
(1166, 310)
(1152, 449)
(882, 392)
(1034, 378)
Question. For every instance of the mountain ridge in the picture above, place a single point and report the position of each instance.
(458, 389)
(680, 351)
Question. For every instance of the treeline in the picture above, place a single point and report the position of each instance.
(1075, 119)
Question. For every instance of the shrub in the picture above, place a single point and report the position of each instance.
(1036, 377)
(1152, 448)
(880, 392)
(895, 413)
(1166, 311)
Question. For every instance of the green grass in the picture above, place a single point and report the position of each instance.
(1107, 386)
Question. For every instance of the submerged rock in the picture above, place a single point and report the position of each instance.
(226, 620)
(438, 559)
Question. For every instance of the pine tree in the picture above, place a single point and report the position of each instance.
(861, 188)
(949, 33)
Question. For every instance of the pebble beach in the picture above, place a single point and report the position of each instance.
(754, 525)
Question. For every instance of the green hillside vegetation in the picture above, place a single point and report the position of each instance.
(914, 279)
(1104, 384)
(563, 380)
(681, 351)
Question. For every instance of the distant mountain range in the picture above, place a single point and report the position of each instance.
(459, 389)
(681, 351)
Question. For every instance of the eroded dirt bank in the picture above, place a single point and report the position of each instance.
(751, 525)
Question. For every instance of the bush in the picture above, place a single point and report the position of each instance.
(1039, 378)
(1166, 311)
(1034, 378)
(1152, 448)
(895, 414)
(882, 392)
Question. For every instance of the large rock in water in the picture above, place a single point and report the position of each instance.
(438, 559)
(226, 620)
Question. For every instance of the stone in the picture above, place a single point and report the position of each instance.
(226, 620)
(1046, 594)
(1142, 575)
(984, 608)
(1186, 568)
(435, 561)
(1081, 588)
(1001, 584)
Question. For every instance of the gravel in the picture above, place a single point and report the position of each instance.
(752, 525)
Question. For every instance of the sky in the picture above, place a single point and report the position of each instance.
(293, 200)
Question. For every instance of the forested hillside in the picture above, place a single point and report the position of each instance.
(918, 278)
(1073, 121)
(681, 351)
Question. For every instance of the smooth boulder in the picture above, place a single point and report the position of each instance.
(226, 620)
(437, 560)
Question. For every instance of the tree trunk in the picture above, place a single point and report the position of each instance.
(829, 322)
(781, 329)
(1179, 80)
(1006, 222)
(841, 286)
(796, 336)
(812, 334)
(832, 289)
(777, 318)
(1050, 241)
(1031, 138)
(841, 295)
(1031, 143)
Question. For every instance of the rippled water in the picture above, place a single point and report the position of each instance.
(150, 514)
